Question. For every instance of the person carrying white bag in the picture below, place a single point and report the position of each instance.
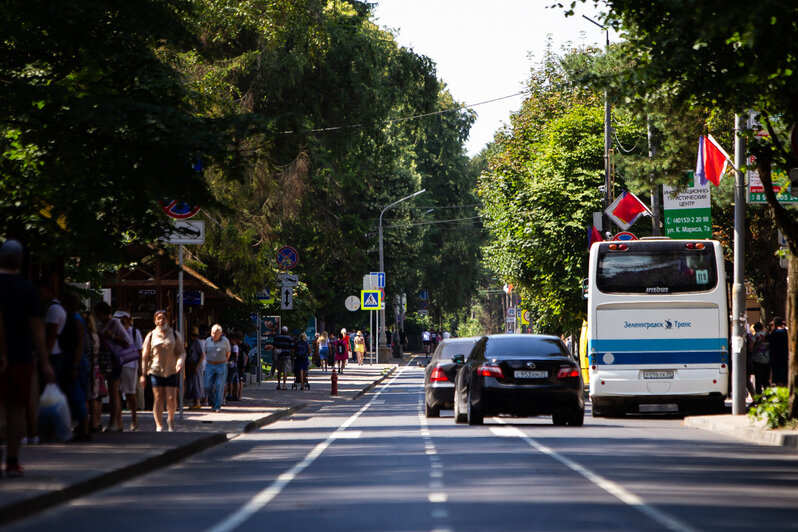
(54, 418)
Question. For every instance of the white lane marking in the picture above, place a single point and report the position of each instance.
(436, 485)
(348, 435)
(627, 497)
(436, 474)
(437, 497)
(440, 513)
(265, 496)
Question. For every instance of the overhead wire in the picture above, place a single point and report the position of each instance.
(432, 222)
(404, 118)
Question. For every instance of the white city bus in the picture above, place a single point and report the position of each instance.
(657, 326)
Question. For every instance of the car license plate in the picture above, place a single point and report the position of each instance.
(658, 374)
(531, 374)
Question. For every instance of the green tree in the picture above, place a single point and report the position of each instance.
(96, 128)
(541, 190)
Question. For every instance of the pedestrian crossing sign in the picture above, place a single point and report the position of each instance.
(370, 299)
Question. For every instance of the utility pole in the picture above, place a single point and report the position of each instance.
(655, 202)
(738, 289)
(383, 339)
(607, 135)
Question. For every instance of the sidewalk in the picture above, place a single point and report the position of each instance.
(742, 428)
(56, 473)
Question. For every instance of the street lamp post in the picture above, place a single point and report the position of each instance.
(607, 134)
(383, 340)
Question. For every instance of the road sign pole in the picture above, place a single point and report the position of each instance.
(738, 289)
(180, 322)
(371, 337)
(257, 358)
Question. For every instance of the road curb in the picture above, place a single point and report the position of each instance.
(271, 418)
(374, 383)
(743, 430)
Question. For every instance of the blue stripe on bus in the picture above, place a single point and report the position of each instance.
(653, 357)
(659, 344)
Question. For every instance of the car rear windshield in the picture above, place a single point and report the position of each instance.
(656, 268)
(524, 347)
(448, 350)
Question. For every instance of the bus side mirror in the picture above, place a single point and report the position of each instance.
(458, 359)
(585, 287)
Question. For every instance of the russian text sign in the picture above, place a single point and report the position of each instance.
(688, 213)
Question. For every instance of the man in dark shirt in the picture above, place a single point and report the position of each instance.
(284, 351)
(19, 304)
(779, 349)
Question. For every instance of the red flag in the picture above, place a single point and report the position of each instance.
(711, 163)
(628, 208)
(593, 236)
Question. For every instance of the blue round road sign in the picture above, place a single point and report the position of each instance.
(287, 257)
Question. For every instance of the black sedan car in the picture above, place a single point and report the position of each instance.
(440, 372)
(520, 375)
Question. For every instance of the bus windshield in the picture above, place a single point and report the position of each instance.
(656, 268)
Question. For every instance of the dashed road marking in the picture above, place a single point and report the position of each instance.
(627, 497)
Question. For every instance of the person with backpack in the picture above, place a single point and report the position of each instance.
(162, 359)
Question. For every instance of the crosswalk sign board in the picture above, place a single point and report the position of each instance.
(370, 299)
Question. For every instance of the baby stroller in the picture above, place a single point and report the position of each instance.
(297, 367)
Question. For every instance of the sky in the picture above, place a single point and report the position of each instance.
(484, 49)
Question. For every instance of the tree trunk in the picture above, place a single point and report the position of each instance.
(789, 226)
(792, 320)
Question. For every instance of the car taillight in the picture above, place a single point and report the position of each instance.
(487, 370)
(567, 371)
(438, 375)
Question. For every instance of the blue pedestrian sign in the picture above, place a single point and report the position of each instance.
(370, 299)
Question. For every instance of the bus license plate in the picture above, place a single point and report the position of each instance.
(531, 374)
(658, 374)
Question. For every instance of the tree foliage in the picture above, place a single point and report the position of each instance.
(541, 190)
(95, 127)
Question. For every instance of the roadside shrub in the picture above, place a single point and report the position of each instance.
(772, 405)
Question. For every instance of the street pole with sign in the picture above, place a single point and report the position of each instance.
(383, 340)
(185, 232)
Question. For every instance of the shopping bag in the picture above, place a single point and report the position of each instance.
(54, 418)
(123, 354)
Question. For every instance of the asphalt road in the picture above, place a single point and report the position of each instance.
(377, 464)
